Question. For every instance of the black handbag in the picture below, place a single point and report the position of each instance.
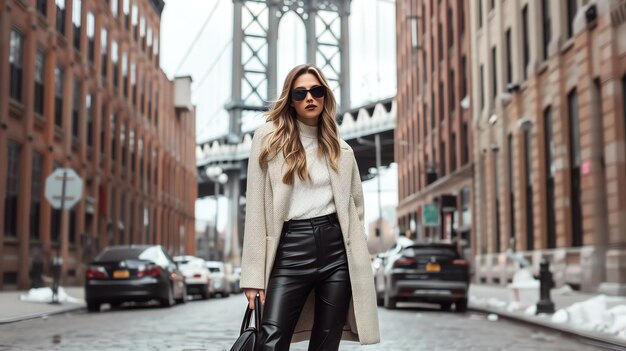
(248, 336)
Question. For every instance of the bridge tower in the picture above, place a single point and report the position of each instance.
(254, 71)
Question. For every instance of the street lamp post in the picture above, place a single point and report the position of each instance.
(217, 176)
(377, 171)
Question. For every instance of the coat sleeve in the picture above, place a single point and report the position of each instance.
(254, 246)
(357, 191)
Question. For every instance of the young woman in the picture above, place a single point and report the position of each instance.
(304, 250)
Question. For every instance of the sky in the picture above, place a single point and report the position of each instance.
(206, 27)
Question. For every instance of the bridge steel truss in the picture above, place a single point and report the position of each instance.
(254, 71)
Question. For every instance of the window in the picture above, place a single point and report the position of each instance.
(156, 107)
(461, 7)
(525, 44)
(414, 35)
(441, 94)
(35, 195)
(126, 10)
(530, 242)
(76, 21)
(91, 36)
(156, 46)
(16, 61)
(72, 226)
(442, 158)
(90, 110)
(572, 7)
(480, 13)
(439, 42)
(123, 145)
(142, 32)
(60, 7)
(547, 31)
(511, 187)
(113, 135)
(131, 149)
(494, 73)
(509, 56)
(451, 95)
(463, 76)
(450, 28)
(114, 8)
(481, 93)
(575, 161)
(103, 125)
(136, 22)
(464, 145)
(149, 40)
(58, 97)
(453, 152)
(39, 81)
(76, 109)
(42, 8)
(549, 169)
(12, 189)
(114, 59)
(141, 93)
(125, 73)
(103, 52)
(133, 82)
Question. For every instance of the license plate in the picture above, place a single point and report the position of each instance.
(433, 267)
(121, 274)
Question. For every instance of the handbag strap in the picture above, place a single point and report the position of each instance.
(248, 315)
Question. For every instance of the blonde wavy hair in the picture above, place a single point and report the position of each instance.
(286, 135)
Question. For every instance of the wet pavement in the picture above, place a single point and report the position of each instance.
(214, 325)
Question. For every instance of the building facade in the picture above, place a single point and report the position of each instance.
(550, 139)
(81, 87)
(434, 131)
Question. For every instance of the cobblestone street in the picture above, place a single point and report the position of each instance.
(213, 325)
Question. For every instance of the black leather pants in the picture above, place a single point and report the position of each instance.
(310, 256)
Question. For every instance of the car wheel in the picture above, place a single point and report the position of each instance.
(389, 302)
(183, 295)
(460, 305)
(445, 306)
(168, 301)
(93, 306)
(205, 293)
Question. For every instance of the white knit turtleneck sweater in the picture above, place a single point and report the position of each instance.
(315, 197)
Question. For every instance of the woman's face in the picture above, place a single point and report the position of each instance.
(309, 108)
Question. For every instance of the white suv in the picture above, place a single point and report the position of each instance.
(220, 281)
(197, 277)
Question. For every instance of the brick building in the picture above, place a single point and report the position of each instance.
(81, 87)
(550, 139)
(434, 131)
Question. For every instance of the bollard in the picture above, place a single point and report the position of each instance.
(545, 304)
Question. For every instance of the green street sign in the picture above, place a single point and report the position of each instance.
(430, 214)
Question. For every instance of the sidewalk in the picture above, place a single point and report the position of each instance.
(12, 309)
(494, 299)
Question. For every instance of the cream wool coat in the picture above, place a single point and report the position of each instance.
(267, 205)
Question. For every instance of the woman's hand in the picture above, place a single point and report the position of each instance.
(251, 294)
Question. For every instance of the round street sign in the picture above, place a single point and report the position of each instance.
(73, 188)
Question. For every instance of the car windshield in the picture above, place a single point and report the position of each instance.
(214, 269)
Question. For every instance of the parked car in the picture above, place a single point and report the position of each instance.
(197, 276)
(427, 273)
(219, 280)
(234, 279)
(133, 273)
(380, 261)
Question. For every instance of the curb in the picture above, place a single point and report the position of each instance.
(41, 314)
(596, 339)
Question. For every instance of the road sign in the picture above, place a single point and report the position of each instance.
(430, 215)
(64, 188)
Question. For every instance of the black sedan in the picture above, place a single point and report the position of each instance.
(433, 273)
(133, 273)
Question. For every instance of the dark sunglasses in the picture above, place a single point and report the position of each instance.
(317, 92)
